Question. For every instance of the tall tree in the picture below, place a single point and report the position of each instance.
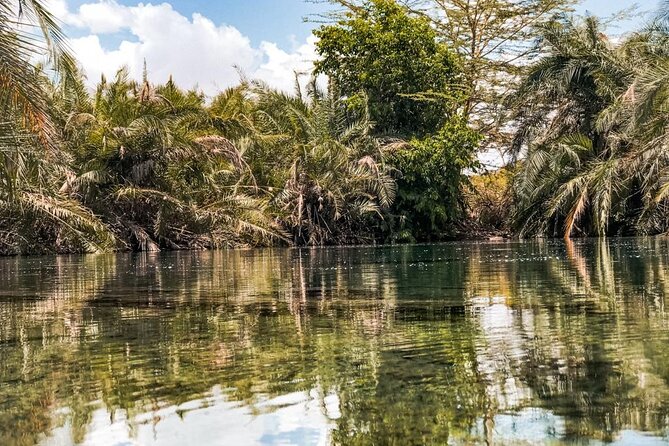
(495, 38)
(35, 214)
(396, 60)
(413, 81)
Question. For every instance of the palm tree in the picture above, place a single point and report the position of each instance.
(36, 213)
(150, 161)
(571, 179)
(643, 109)
(27, 31)
(335, 177)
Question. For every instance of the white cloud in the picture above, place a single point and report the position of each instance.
(58, 8)
(280, 67)
(195, 50)
(103, 17)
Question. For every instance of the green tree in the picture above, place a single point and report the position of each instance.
(413, 82)
(35, 213)
(494, 41)
(571, 180)
(151, 161)
(396, 60)
(595, 132)
(429, 200)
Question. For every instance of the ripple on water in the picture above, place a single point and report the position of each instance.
(509, 342)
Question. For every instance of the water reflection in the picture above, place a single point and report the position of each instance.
(471, 343)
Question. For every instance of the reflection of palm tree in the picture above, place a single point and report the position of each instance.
(65, 288)
(602, 345)
(401, 357)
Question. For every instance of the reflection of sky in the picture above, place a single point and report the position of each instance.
(539, 426)
(293, 419)
(503, 345)
(298, 419)
(307, 419)
(633, 438)
(499, 350)
(529, 425)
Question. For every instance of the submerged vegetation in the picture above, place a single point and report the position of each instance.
(385, 152)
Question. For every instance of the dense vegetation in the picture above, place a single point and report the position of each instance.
(593, 125)
(385, 153)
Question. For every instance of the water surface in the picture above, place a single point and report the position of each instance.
(465, 343)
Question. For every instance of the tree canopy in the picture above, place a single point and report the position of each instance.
(388, 152)
(410, 78)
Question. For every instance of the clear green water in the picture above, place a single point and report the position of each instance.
(468, 343)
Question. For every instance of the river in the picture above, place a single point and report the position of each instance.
(540, 342)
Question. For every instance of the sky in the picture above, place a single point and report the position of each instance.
(207, 43)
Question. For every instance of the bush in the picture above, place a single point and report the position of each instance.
(432, 173)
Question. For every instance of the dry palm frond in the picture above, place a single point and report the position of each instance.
(144, 240)
(218, 145)
(576, 212)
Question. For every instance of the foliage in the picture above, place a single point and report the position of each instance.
(150, 162)
(494, 40)
(134, 165)
(336, 178)
(378, 50)
(28, 32)
(594, 130)
(571, 172)
(152, 167)
(408, 76)
(489, 198)
(429, 198)
(35, 213)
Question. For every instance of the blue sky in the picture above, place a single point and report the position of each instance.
(205, 43)
(282, 21)
(271, 20)
(639, 11)
(278, 20)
